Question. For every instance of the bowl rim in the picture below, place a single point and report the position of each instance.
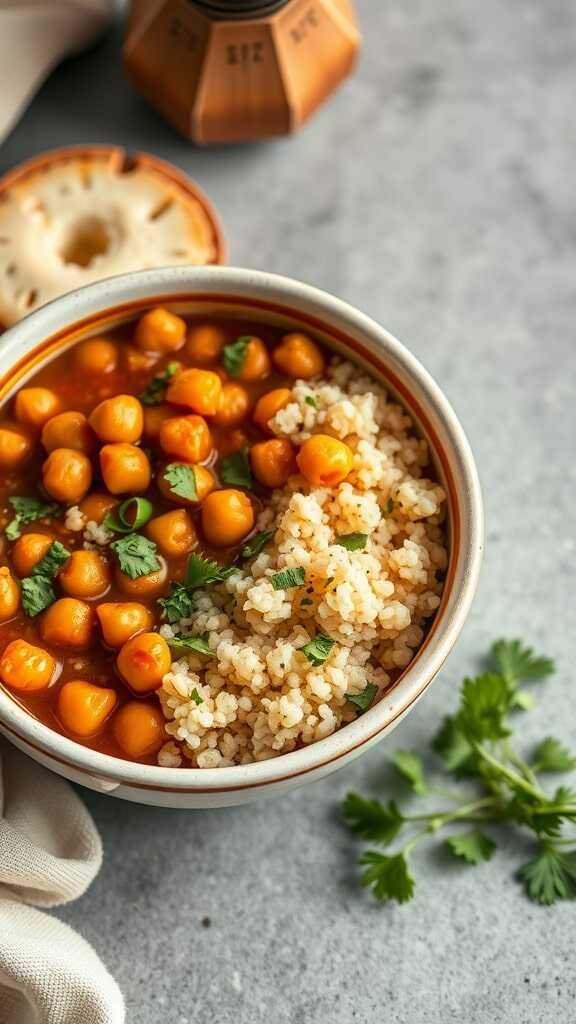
(68, 314)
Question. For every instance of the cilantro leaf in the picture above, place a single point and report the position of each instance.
(195, 696)
(234, 355)
(454, 748)
(310, 400)
(27, 510)
(551, 756)
(201, 571)
(473, 846)
(364, 699)
(371, 819)
(53, 560)
(389, 878)
(518, 663)
(190, 644)
(235, 469)
(410, 766)
(257, 543)
(154, 393)
(318, 649)
(182, 480)
(288, 578)
(37, 594)
(551, 875)
(352, 541)
(485, 701)
(178, 605)
(136, 555)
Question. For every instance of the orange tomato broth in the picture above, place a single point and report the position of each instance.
(82, 391)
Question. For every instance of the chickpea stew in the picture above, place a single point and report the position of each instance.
(218, 542)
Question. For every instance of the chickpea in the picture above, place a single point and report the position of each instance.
(67, 475)
(205, 343)
(85, 574)
(134, 360)
(96, 356)
(9, 594)
(154, 417)
(324, 461)
(68, 623)
(28, 550)
(160, 331)
(233, 441)
(227, 517)
(143, 661)
(173, 533)
(83, 707)
(268, 405)
(68, 430)
(299, 356)
(120, 620)
(34, 406)
(25, 667)
(95, 507)
(205, 483)
(256, 363)
(148, 586)
(233, 405)
(186, 437)
(16, 446)
(198, 390)
(118, 419)
(138, 729)
(273, 461)
(125, 469)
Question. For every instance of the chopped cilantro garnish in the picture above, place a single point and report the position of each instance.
(27, 510)
(234, 355)
(256, 543)
(235, 469)
(182, 480)
(178, 605)
(310, 401)
(190, 644)
(318, 649)
(136, 555)
(201, 571)
(37, 594)
(352, 541)
(54, 558)
(195, 696)
(288, 578)
(364, 699)
(154, 392)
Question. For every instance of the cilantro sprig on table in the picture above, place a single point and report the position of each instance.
(475, 744)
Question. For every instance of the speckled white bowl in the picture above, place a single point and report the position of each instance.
(257, 295)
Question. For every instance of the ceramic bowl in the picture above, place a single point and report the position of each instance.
(260, 296)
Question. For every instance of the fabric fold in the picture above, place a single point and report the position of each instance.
(50, 852)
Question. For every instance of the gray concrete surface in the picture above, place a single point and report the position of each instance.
(437, 193)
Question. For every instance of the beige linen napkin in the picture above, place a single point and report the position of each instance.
(34, 36)
(50, 852)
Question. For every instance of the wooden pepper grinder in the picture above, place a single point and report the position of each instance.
(239, 70)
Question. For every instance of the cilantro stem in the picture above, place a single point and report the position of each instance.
(516, 781)
(465, 811)
(521, 765)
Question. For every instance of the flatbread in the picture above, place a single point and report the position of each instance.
(74, 216)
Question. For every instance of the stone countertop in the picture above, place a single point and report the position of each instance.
(436, 192)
